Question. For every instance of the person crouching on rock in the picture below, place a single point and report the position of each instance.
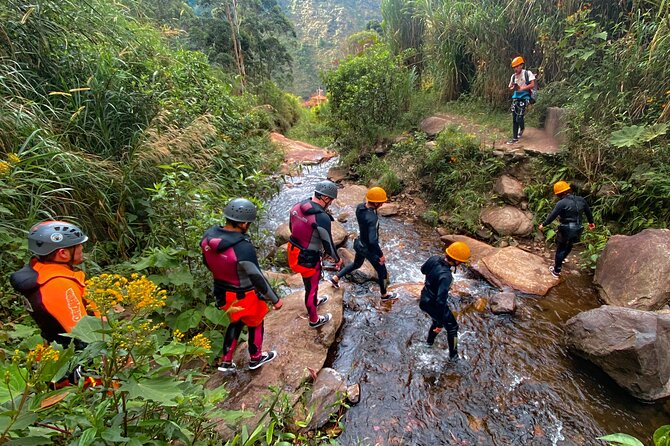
(569, 211)
(239, 285)
(367, 245)
(435, 293)
(311, 236)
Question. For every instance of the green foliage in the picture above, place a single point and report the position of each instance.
(661, 438)
(283, 109)
(312, 127)
(379, 171)
(367, 95)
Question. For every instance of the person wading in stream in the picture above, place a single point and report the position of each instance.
(239, 285)
(367, 245)
(569, 210)
(310, 226)
(435, 293)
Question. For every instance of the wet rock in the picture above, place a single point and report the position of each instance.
(634, 271)
(518, 269)
(350, 196)
(299, 348)
(337, 174)
(478, 249)
(503, 303)
(343, 217)
(389, 209)
(631, 346)
(354, 393)
(282, 234)
(364, 274)
(510, 189)
(328, 392)
(508, 220)
(339, 233)
(480, 305)
(297, 152)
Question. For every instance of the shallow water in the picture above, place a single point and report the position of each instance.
(514, 384)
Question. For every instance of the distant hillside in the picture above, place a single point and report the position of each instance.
(322, 26)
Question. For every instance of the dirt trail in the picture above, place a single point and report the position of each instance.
(533, 140)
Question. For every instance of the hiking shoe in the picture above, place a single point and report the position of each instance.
(513, 141)
(227, 367)
(553, 272)
(389, 296)
(321, 321)
(520, 133)
(333, 282)
(265, 358)
(321, 300)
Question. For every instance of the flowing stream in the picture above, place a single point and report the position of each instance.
(515, 382)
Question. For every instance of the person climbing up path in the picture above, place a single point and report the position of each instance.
(367, 244)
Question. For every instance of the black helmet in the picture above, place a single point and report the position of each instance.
(327, 188)
(240, 210)
(48, 236)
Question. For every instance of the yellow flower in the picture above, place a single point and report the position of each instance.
(178, 335)
(5, 167)
(13, 158)
(201, 341)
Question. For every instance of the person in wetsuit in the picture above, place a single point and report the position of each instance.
(367, 245)
(53, 288)
(239, 285)
(569, 210)
(435, 293)
(311, 236)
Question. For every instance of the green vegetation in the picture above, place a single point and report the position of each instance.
(617, 152)
(109, 119)
(661, 438)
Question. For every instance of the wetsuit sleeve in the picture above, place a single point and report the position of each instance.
(324, 228)
(443, 289)
(555, 213)
(62, 298)
(427, 266)
(248, 262)
(373, 237)
(587, 212)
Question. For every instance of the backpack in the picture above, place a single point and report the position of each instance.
(533, 92)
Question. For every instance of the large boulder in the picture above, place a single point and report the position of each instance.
(433, 125)
(634, 271)
(298, 152)
(515, 268)
(349, 197)
(389, 209)
(631, 346)
(328, 393)
(282, 234)
(337, 174)
(363, 274)
(291, 280)
(510, 189)
(508, 220)
(300, 348)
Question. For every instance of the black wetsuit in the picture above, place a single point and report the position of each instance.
(434, 300)
(367, 246)
(569, 212)
(238, 281)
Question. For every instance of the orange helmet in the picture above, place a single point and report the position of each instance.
(518, 60)
(376, 195)
(458, 251)
(560, 187)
